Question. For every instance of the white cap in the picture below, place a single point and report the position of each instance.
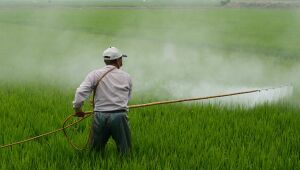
(112, 53)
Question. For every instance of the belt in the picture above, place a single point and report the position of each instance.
(114, 111)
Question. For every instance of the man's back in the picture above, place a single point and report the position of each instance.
(112, 92)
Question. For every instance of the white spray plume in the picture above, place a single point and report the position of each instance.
(164, 69)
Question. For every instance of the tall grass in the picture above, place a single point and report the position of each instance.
(164, 137)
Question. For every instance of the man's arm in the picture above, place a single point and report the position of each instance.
(83, 92)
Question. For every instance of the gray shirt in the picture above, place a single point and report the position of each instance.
(112, 93)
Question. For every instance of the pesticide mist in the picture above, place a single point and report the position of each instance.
(172, 54)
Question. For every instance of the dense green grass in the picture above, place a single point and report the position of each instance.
(175, 136)
(38, 79)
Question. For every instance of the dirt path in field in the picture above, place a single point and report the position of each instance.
(235, 4)
(264, 4)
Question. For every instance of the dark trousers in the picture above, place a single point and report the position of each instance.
(111, 124)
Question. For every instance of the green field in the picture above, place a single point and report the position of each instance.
(46, 52)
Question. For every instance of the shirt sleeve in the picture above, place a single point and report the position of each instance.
(84, 91)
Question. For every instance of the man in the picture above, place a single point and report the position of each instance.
(112, 91)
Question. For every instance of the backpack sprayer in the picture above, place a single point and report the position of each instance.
(89, 113)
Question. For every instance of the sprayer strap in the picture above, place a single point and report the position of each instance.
(95, 87)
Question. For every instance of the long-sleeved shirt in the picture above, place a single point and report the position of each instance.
(113, 91)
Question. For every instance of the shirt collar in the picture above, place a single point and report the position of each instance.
(109, 66)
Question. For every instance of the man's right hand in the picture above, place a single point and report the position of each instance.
(79, 114)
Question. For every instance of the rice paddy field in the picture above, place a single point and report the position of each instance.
(45, 53)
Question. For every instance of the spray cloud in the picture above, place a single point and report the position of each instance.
(184, 57)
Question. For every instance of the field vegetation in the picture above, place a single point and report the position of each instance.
(46, 52)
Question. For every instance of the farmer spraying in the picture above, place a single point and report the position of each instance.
(111, 88)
